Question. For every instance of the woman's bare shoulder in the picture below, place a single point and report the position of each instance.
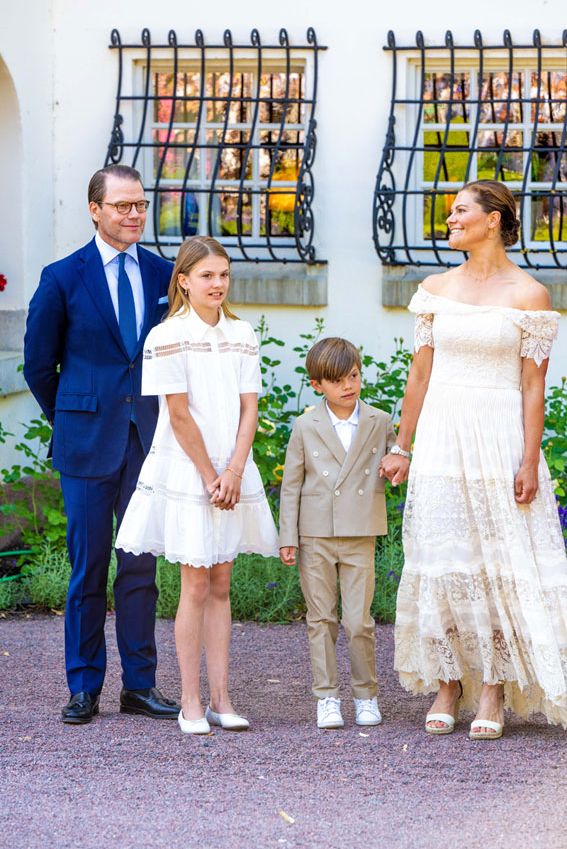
(436, 284)
(531, 295)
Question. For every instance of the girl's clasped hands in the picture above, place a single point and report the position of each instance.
(224, 490)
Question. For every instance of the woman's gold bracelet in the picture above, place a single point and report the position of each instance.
(233, 472)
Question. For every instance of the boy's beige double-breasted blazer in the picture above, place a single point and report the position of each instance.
(327, 492)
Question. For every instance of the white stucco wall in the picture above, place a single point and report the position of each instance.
(65, 79)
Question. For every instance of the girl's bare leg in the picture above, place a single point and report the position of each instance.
(195, 583)
(217, 623)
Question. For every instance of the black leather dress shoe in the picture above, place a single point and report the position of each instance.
(80, 709)
(148, 703)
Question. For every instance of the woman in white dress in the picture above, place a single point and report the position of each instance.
(200, 499)
(482, 603)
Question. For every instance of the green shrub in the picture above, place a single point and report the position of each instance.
(555, 438)
(31, 503)
(262, 590)
(169, 584)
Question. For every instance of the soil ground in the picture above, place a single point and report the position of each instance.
(126, 781)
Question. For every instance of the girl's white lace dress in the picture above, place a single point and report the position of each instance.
(169, 512)
(483, 593)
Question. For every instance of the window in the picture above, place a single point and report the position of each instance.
(479, 112)
(225, 140)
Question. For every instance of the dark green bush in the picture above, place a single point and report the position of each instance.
(31, 505)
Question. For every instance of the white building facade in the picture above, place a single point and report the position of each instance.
(272, 141)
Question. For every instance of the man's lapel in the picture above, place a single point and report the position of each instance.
(91, 272)
(366, 416)
(327, 432)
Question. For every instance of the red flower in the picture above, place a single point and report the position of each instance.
(3, 282)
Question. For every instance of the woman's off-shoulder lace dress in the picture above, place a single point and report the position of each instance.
(483, 594)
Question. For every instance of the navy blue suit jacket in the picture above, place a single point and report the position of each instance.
(77, 367)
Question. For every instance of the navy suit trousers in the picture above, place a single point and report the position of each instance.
(91, 504)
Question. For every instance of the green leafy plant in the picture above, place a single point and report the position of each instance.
(31, 503)
(383, 384)
(555, 438)
(278, 405)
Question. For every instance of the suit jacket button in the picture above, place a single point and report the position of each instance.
(361, 492)
(325, 473)
(131, 365)
(315, 453)
(128, 399)
(337, 492)
(367, 471)
(374, 450)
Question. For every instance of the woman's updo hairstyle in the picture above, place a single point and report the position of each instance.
(493, 196)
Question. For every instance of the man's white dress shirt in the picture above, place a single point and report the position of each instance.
(109, 256)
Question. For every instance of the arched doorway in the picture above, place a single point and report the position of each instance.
(11, 247)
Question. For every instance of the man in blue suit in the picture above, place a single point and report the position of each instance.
(86, 328)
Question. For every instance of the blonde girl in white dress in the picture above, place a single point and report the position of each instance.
(482, 603)
(200, 499)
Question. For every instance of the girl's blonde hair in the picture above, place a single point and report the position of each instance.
(192, 251)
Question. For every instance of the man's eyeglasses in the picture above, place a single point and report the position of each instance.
(124, 207)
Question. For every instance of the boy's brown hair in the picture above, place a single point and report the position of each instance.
(331, 359)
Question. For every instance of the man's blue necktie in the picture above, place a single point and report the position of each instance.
(126, 308)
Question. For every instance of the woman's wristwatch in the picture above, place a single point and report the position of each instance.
(395, 449)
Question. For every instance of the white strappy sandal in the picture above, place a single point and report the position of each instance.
(497, 729)
(447, 719)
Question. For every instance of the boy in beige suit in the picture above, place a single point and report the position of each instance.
(332, 508)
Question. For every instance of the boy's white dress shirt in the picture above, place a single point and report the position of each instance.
(344, 428)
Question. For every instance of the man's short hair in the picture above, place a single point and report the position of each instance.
(97, 183)
(331, 359)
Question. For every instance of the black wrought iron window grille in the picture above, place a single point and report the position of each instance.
(225, 138)
(461, 113)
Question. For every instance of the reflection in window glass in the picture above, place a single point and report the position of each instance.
(264, 156)
(452, 163)
(490, 144)
(273, 96)
(547, 163)
(438, 205)
(176, 154)
(276, 215)
(494, 93)
(231, 159)
(186, 106)
(437, 93)
(552, 96)
(549, 213)
(504, 146)
(169, 223)
(225, 214)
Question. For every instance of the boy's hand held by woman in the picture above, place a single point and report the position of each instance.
(394, 468)
(288, 555)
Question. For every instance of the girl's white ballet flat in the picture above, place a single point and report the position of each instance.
(496, 730)
(193, 726)
(228, 721)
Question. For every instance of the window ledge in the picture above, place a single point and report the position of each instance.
(12, 328)
(399, 282)
(11, 380)
(279, 284)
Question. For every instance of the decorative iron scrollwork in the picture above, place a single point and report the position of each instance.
(505, 119)
(269, 192)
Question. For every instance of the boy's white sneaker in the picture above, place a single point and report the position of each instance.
(367, 712)
(329, 713)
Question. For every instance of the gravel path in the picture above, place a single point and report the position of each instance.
(133, 782)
